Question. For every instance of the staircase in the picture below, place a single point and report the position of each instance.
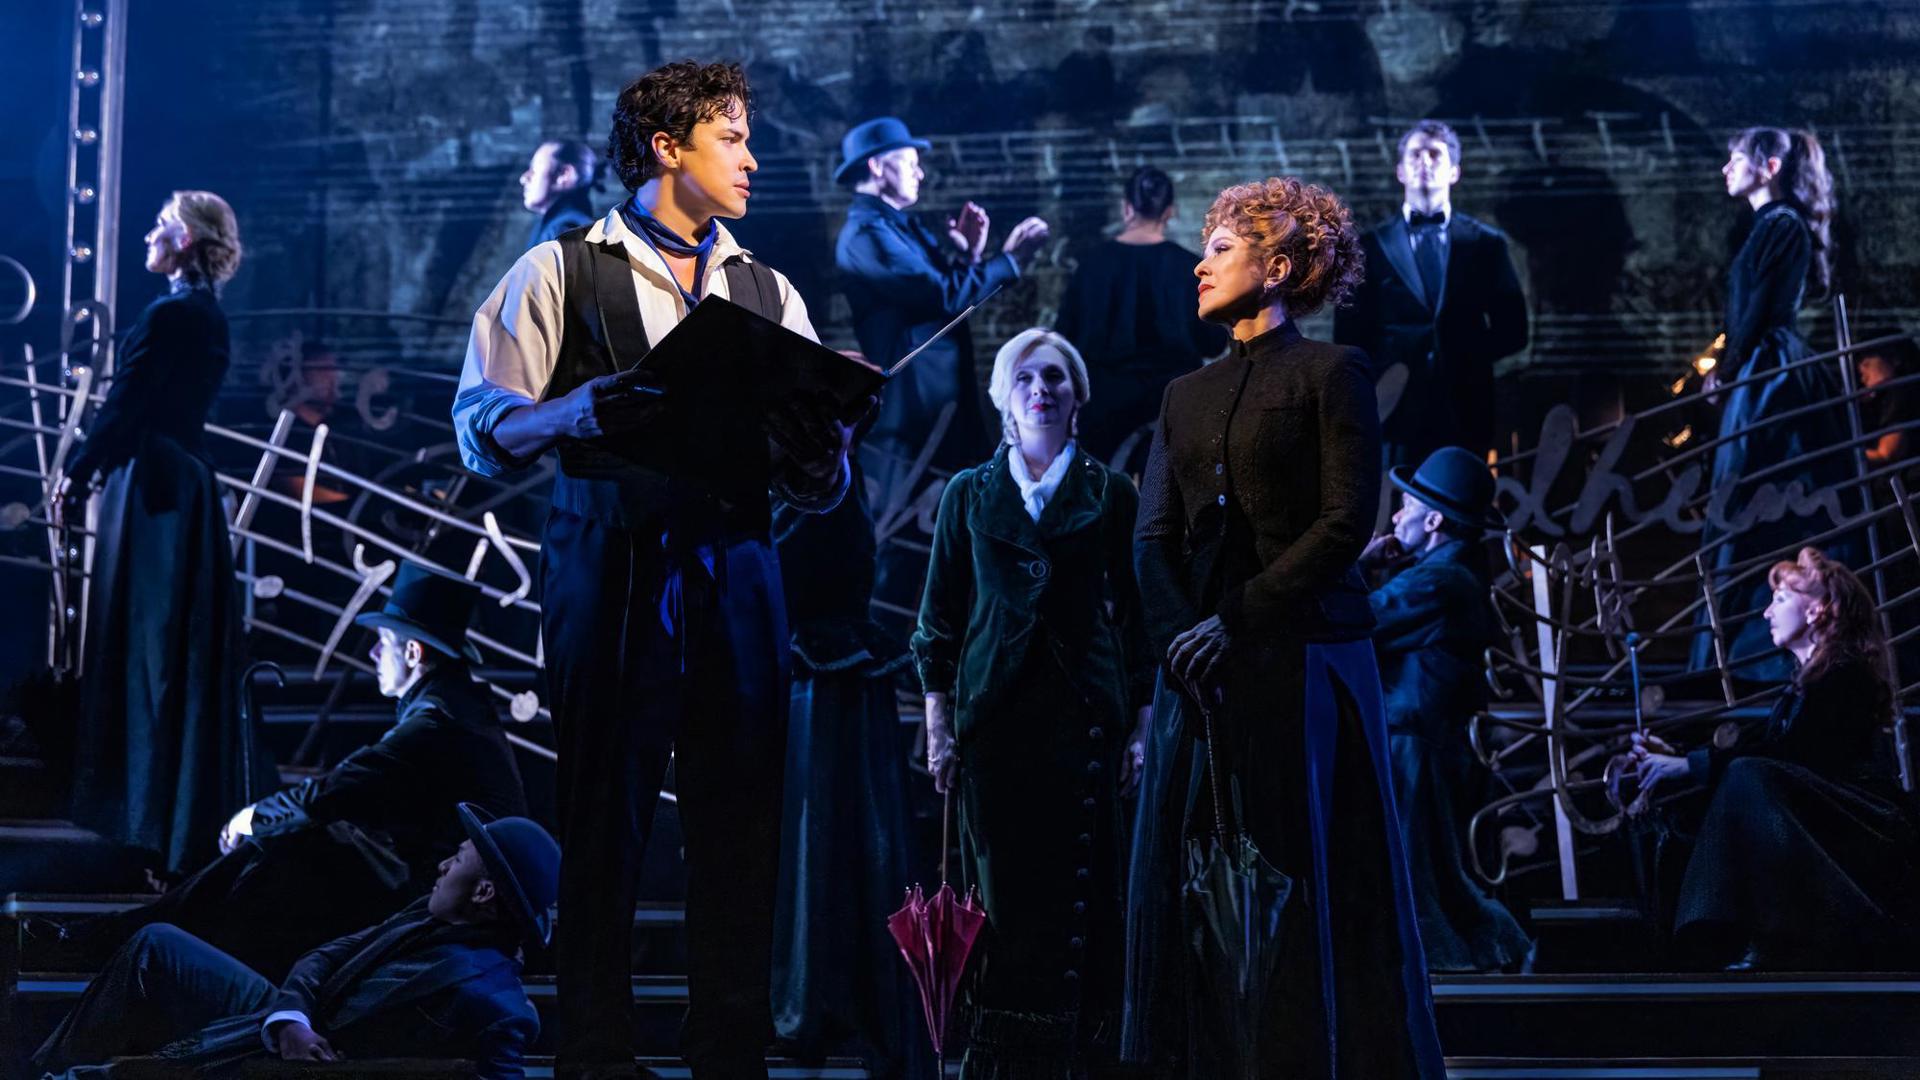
(1598, 1009)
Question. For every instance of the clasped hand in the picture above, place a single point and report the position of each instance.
(1195, 654)
(808, 432)
(1655, 761)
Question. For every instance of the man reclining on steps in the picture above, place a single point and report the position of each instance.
(439, 979)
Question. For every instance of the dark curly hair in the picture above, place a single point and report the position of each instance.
(673, 98)
(1803, 181)
(1304, 224)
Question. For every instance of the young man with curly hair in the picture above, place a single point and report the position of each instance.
(665, 631)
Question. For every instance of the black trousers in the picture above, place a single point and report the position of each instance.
(164, 984)
(658, 650)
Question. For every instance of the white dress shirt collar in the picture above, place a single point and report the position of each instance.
(1446, 212)
(613, 228)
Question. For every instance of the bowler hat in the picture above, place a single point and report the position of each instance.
(431, 608)
(523, 863)
(1454, 482)
(876, 136)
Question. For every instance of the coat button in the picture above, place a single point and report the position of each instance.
(1088, 803)
(1093, 768)
(1072, 976)
(1079, 907)
(1076, 943)
(1222, 500)
(1083, 873)
(1086, 839)
(1219, 467)
(1096, 733)
(1037, 569)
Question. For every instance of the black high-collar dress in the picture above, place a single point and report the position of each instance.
(159, 759)
(1260, 493)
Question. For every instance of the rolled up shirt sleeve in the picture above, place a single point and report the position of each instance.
(511, 354)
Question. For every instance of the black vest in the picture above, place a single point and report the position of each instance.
(602, 333)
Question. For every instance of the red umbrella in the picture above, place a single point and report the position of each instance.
(935, 936)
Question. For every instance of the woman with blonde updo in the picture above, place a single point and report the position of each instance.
(1809, 855)
(159, 761)
(1259, 496)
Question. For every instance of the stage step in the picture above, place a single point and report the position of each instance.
(1743, 1017)
(41, 928)
(44, 854)
(1683, 1069)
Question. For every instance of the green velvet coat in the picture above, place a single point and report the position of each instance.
(1033, 629)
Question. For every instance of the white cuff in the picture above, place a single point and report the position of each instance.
(289, 1015)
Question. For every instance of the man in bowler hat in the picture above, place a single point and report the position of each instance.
(1433, 623)
(345, 848)
(904, 281)
(439, 979)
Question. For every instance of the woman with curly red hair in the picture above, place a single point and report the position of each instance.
(1808, 855)
(1259, 496)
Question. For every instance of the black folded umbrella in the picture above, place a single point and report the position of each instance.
(1231, 904)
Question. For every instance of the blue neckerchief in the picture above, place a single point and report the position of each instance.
(662, 239)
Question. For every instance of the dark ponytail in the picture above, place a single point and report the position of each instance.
(1803, 181)
(1149, 192)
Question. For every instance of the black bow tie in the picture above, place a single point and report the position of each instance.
(1418, 220)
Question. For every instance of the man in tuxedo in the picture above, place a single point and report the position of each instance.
(904, 281)
(343, 849)
(1441, 300)
(440, 979)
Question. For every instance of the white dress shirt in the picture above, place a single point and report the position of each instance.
(515, 342)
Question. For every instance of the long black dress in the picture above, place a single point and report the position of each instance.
(1129, 310)
(1034, 630)
(159, 761)
(1809, 849)
(1260, 494)
(845, 853)
(1764, 290)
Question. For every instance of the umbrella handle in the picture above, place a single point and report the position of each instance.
(946, 820)
(1213, 768)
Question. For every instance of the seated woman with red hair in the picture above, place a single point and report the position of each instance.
(1807, 854)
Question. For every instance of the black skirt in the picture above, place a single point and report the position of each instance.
(1814, 871)
(159, 759)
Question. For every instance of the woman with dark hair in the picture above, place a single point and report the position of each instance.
(1783, 176)
(159, 758)
(1034, 661)
(1129, 310)
(1808, 854)
(1259, 497)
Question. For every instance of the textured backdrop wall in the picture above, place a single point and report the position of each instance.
(372, 147)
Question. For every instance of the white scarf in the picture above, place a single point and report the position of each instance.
(1035, 493)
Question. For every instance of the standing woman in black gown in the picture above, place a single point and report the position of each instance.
(1129, 310)
(1787, 253)
(159, 761)
(1259, 496)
